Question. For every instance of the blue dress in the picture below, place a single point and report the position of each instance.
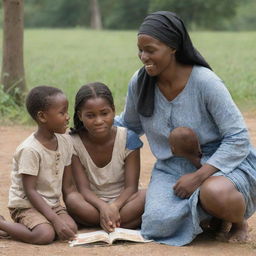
(206, 106)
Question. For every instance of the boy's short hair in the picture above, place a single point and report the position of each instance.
(38, 99)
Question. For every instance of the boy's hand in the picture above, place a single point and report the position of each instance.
(63, 231)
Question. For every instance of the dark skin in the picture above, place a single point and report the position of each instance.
(126, 210)
(160, 61)
(55, 119)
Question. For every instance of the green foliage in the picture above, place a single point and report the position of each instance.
(69, 58)
(128, 14)
(123, 14)
(245, 18)
(9, 110)
(199, 13)
(57, 13)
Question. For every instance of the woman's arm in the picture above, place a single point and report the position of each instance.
(129, 118)
(234, 146)
(29, 183)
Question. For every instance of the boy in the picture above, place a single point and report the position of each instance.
(41, 162)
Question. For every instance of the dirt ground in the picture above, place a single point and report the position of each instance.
(11, 136)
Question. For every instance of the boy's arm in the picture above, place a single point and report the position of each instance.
(63, 231)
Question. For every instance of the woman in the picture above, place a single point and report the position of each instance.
(177, 88)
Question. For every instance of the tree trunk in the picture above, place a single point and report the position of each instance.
(13, 74)
(95, 15)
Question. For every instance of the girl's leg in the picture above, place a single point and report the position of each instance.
(220, 198)
(40, 234)
(132, 211)
(81, 211)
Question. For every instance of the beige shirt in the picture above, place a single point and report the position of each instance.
(106, 182)
(32, 158)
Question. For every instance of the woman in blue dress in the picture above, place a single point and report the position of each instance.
(177, 88)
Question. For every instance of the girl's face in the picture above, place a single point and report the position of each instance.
(97, 116)
(56, 117)
(155, 55)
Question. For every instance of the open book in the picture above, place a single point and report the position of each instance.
(109, 238)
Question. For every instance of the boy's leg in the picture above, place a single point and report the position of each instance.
(3, 234)
(132, 211)
(81, 211)
(32, 228)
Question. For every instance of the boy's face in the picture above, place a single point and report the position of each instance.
(56, 117)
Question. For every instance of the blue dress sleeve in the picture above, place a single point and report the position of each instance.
(129, 118)
(133, 141)
(235, 144)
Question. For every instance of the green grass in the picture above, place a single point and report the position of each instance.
(69, 58)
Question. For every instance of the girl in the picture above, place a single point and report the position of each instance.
(41, 162)
(177, 88)
(106, 164)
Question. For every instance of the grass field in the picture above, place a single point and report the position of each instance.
(70, 58)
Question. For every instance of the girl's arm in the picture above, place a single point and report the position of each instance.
(68, 185)
(107, 214)
(132, 175)
(29, 184)
(83, 184)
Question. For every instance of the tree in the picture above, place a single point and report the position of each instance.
(95, 15)
(13, 74)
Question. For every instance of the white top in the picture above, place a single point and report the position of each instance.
(32, 158)
(106, 182)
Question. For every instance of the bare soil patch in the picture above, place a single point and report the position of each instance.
(11, 136)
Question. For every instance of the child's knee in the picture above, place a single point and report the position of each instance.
(43, 234)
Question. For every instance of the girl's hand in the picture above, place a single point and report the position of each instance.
(186, 185)
(63, 231)
(116, 215)
(109, 216)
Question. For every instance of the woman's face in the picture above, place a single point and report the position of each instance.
(155, 55)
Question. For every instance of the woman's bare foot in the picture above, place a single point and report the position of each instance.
(3, 234)
(239, 232)
(224, 230)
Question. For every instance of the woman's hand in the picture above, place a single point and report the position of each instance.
(187, 184)
(109, 217)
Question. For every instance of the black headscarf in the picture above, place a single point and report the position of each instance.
(168, 28)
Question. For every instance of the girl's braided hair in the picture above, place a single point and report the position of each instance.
(86, 92)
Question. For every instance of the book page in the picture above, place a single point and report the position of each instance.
(128, 235)
(90, 237)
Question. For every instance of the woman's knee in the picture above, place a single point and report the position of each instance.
(219, 197)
